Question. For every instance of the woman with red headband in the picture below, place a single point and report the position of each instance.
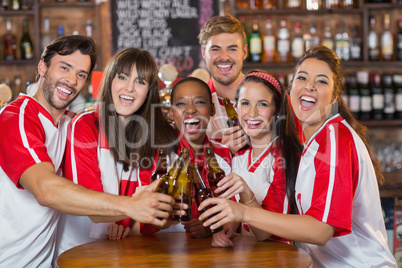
(258, 171)
(339, 221)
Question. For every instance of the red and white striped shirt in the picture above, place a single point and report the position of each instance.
(336, 184)
(89, 163)
(28, 137)
(265, 176)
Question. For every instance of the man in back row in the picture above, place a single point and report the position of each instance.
(224, 48)
(32, 142)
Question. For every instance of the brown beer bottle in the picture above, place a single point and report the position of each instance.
(215, 173)
(161, 165)
(184, 191)
(202, 192)
(231, 112)
(168, 183)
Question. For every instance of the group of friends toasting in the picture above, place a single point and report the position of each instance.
(298, 167)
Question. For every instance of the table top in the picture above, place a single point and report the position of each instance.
(180, 250)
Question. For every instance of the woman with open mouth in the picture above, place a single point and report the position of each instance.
(340, 221)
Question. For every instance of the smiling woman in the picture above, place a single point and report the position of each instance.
(110, 148)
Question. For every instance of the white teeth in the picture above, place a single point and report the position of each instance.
(224, 66)
(253, 122)
(62, 89)
(307, 98)
(127, 98)
(191, 120)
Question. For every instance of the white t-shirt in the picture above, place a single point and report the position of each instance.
(336, 184)
(28, 137)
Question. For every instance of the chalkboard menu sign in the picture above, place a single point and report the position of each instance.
(166, 28)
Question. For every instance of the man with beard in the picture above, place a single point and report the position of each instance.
(32, 142)
(223, 47)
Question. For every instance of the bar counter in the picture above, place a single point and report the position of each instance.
(180, 250)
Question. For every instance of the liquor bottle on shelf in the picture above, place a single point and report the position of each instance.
(26, 42)
(161, 165)
(215, 173)
(184, 191)
(255, 43)
(373, 45)
(355, 44)
(270, 4)
(283, 46)
(297, 43)
(332, 4)
(389, 96)
(9, 42)
(342, 43)
(231, 113)
(313, 4)
(255, 4)
(354, 95)
(328, 41)
(88, 28)
(365, 95)
(46, 37)
(387, 42)
(311, 39)
(243, 23)
(60, 30)
(15, 5)
(293, 4)
(242, 4)
(202, 192)
(26, 4)
(378, 96)
(399, 41)
(349, 4)
(398, 95)
(5, 5)
(269, 42)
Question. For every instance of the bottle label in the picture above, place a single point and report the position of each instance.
(398, 102)
(283, 47)
(269, 43)
(365, 102)
(255, 45)
(28, 51)
(297, 48)
(389, 107)
(354, 103)
(378, 101)
(355, 52)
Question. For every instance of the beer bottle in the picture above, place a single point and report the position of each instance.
(184, 191)
(161, 165)
(168, 183)
(215, 173)
(202, 192)
(231, 112)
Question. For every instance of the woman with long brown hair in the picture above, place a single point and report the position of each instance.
(339, 221)
(110, 147)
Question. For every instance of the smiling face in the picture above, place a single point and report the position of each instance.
(224, 55)
(191, 110)
(62, 80)
(256, 109)
(129, 92)
(312, 93)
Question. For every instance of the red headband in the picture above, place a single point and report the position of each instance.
(267, 78)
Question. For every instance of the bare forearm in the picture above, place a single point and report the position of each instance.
(302, 228)
(61, 194)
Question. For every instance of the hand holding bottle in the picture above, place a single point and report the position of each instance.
(234, 138)
(220, 211)
(196, 229)
(231, 185)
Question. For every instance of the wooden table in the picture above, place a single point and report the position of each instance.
(180, 250)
